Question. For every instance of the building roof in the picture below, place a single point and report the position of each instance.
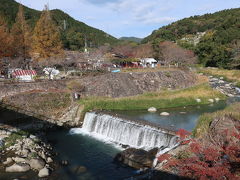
(18, 73)
(148, 60)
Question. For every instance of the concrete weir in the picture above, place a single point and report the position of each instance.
(127, 132)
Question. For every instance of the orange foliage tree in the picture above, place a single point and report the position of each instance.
(5, 40)
(46, 38)
(21, 35)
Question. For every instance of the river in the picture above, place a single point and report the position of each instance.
(96, 157)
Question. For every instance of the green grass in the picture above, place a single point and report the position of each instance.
(238, 84)
(164, 99)
(205, 120)
(12, 139)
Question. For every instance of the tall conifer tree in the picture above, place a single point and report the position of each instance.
(5, 39)
(46, 38)
(21, 35)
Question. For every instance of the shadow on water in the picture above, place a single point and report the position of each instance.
(95, 157)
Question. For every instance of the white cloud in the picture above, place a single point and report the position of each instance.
(132, 17)
(159, 20)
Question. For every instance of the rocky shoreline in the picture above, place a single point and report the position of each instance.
(23, 152)
(227, 88)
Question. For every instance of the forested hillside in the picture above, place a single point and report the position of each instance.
(133, 39)
(73, 32)
(220, 46)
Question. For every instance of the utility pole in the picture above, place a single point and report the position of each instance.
(64, 25)
(85, 49)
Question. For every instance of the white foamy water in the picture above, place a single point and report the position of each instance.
(116, 130)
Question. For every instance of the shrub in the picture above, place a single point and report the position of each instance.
(75, 86)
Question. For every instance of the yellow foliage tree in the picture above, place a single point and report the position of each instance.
(46, 38)
(21, 35)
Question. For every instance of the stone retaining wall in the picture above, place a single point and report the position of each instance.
(9, 89)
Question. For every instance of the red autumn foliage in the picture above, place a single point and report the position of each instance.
(184, 142)
(183, 134)
(208, 161)
(164, 157)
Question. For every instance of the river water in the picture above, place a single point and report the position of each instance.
(97, 157)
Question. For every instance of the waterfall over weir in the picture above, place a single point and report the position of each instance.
(126, 132)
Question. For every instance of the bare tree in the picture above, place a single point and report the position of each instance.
(172, 53)
(125, 49)
(143, 51)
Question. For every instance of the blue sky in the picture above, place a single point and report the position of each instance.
(132, 17)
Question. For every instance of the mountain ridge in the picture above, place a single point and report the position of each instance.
(131, 38)
(191, 24)
(215, 38)
(73, 36)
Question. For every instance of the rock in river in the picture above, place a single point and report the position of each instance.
(137, 158)
(43, 172)
(164, 114)
(211, 100)
(152, 109)
(80, 170)
(8, 161)
(37, 164)
(18, 167)
(198, 100)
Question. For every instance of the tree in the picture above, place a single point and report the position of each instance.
(46, 38)
(5, 40)
(21, 36)
(74, 40)
(157, 52)
(235, 63)
(124, 49)
(143, 51)
(172, 53)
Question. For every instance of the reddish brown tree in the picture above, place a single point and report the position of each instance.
(143, 51)
(172, 53)
(125, 49)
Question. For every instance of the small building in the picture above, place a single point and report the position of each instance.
(23, 75)
(148, 62)
(51, 72)
(126, 62)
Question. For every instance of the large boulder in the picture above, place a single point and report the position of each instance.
(18, 167)
(37, 164)
(137, 158)
(43, 172)
(20, 160)
(8, 161)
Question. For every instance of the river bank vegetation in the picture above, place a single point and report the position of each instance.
(205, 120)
(213, 153)
(163, 99)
